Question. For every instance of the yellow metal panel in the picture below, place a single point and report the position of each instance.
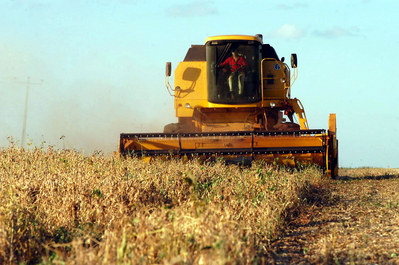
(153, 144)
(182, 111)
(332, 124)
(287, 141)
(190, 77)
(332, 158)
(291, 160)
(273, 71)
(234, 142)
(223, 142)
(191, 84)
(274, 93)
(233, 37)
(278, 102)
(300, 112)
(218, 142)
(243, 105)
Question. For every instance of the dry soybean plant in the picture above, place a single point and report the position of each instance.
(60, 206)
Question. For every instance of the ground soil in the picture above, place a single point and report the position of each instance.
(356, 224)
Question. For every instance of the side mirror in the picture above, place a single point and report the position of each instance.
(294, 61)
(168, 68)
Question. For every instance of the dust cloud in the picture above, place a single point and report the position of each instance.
(86, 113)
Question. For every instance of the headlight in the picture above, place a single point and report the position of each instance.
(272, 104)
(187, 105)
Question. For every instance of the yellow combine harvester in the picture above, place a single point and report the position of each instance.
(233, 100)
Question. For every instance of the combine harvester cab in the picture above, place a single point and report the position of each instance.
(232, 98)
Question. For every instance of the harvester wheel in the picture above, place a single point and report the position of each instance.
(176, 128)
(171, 128)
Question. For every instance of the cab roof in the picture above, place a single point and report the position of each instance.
(234, 37)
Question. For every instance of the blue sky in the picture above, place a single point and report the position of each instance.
(98, 66)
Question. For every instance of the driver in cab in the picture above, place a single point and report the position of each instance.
(237, 64)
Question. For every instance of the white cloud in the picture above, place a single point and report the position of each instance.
(196, 8)
(336, 32)
(288, 31)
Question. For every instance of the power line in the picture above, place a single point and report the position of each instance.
(26, 107)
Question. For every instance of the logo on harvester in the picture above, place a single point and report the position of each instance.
(276, 66)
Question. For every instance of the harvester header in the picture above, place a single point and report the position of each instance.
(232, 98)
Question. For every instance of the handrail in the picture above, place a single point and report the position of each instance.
(294, 76)
(261, 85)
(168, 86)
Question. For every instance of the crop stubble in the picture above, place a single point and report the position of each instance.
(61, 206)
(357, 225)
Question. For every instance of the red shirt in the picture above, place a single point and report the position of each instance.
(235, 65)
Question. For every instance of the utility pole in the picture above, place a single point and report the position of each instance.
(26, 108)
